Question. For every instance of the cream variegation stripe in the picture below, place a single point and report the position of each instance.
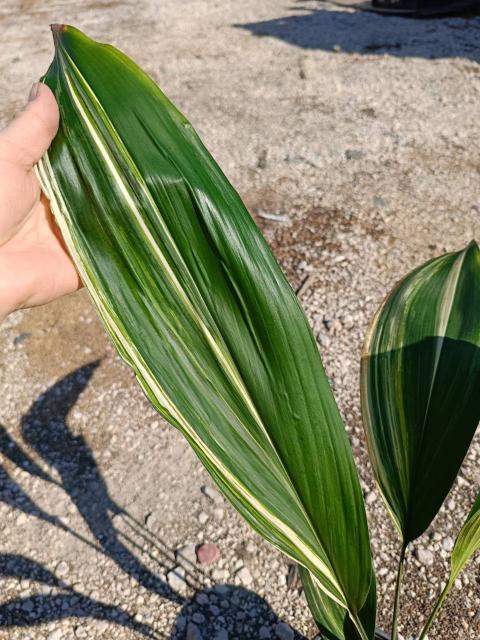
(60, 210)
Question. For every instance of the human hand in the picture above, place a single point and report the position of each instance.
(35, 267)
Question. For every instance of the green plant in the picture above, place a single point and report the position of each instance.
(197, 305)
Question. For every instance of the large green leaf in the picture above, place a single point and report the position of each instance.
(197, 305)
(420, 380)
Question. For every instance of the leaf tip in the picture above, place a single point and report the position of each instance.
(57, 30)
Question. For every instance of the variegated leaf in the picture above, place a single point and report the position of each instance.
(197, 305)
(467, 542)
(420, 380)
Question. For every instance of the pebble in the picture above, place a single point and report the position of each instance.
(244, 576)
(424, 556)
(21, 520)
(222, 634)
(264, 633)
(202, 517)
(61, 569)
(202, 599)
(186, 553)
(448, 543)
(56, 634)
(284, 632)
(176, 580)
(212, 493)
(208, 553)
(193, 632)
(198, 617)
(102, 626)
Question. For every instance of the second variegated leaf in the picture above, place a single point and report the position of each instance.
(420, 386)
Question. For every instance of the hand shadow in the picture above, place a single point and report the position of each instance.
(44, 428)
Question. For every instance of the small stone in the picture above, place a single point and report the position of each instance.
(27, 605)
(202, 517)
(424, 556)
(220, 574)
(61, 569)
(354, 154)
(176, 580)
(212, 493)
(102, 626)
(222, 634)
(186, 553)
(219, 514)
(264, 633)
(21, 337)
(56, 634)
(202, 599)
(21, 520)
(150, 519)
(198, 617)
(262, 159)
(371, 497)
(448, 543)
(244, 577)
(208, 553)
(193, 632)
(284, 632)
(80, 632)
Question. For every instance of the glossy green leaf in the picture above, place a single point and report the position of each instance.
(197, 305)
(420, 380)
(333, 620)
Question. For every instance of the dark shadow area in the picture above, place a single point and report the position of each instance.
(226, 611)
(369, 33)
(68, 457)
(15, 453)
(32, 610)
(213, 610)
(44, 428)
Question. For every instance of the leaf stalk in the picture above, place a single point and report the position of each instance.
(398, 586)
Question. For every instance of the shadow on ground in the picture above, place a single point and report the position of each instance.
(369, 33)
(213, 610)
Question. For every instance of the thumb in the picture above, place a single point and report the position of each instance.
(29, 135)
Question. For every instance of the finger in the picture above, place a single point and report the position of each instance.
(29, 135)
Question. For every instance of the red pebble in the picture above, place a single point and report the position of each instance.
(207, 553)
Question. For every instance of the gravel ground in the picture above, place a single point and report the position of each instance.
(354, 141)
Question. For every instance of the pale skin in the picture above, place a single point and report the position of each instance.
(35, 267)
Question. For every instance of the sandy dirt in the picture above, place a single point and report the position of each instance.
(361, 133)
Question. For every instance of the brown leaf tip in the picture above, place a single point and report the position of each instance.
(58, 28)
